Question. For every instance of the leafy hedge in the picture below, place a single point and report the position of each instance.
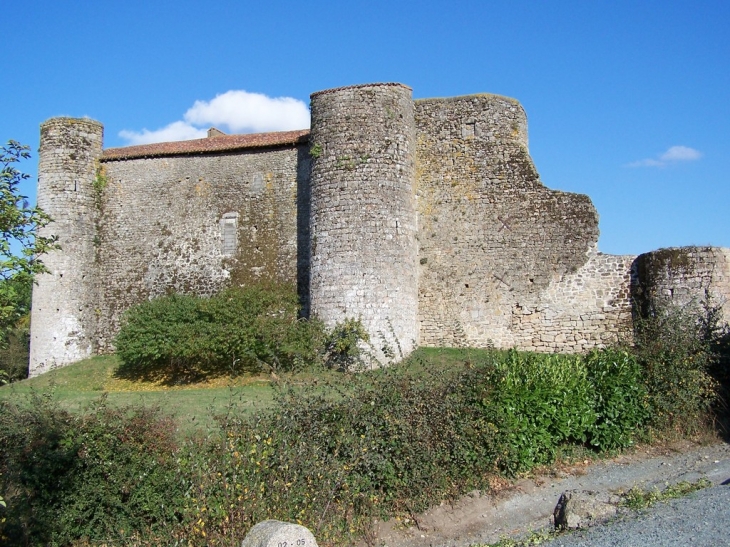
(679, 351)
(332, 457)
(107, 473)
(242, 329)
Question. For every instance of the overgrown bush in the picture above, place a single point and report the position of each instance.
(105, 475)
(370, 445)
(15, 355)
(241, 329)
(541, 402)
(15, 299)
(677, 349)
(331, 454)
(344, 345)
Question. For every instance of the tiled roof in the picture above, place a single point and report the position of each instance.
(210, 145)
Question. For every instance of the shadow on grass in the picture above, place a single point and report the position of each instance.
(172, 375)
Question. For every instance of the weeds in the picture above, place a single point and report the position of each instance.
(638, 498)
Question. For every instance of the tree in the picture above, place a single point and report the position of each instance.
(20, 245)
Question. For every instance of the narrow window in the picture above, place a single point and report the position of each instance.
(229, 231)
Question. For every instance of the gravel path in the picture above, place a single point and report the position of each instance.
(528, 504)
(701, 519)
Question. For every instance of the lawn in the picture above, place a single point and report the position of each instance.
(194, 405)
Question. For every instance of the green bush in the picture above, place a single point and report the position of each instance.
(105, 475)
(677, 349)
(343, 345)
(620, 398)
(541, 402)
(373, 444)
(243, 329)
(15, 299)
(331, 454)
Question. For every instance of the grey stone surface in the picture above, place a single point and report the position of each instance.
(363, 219)
(65, 300)
(503, 259)
(684, 277)
(584, 508)
(275, 533)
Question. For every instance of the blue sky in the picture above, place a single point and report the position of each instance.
(628, 102)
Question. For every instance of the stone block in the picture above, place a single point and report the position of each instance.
(584, 508)
(275, 533)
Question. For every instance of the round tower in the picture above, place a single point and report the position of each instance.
(682, 278)
(364, 251)
(63, 316)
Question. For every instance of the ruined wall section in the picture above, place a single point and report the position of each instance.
(493, 239)
(580, 311)
(682, 277)
(195, 224)
(64, 300)
(364, 253)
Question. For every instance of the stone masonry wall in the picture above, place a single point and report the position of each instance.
(64, 300)
(493, 239)
(195, 224)
(426, 219)
(580, 311)
(363, 219)
(685, 277)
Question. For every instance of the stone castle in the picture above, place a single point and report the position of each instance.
(427, 219)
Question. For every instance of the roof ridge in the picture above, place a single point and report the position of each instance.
(220, 143)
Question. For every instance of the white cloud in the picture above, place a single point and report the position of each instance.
(681, 153)
(176, 131)
(234, 111)
(241, 111)
(673, 154)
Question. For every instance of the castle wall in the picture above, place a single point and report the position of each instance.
(363, 217)
(498, 249)
(64, 300)
(685, 277)
(427, 220)
(195, 223)
(580, 311)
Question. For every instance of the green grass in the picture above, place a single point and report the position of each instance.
(638, 498)
(194, 405)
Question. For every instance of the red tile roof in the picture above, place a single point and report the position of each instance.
(210, 145)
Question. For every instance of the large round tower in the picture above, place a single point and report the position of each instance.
(63, 315)
(364, 252)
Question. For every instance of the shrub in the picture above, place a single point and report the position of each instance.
(245, 329)
(370, 445)
(540, 402)
(102, 475)
(676, 349)
(331, 454)
(344, 345)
